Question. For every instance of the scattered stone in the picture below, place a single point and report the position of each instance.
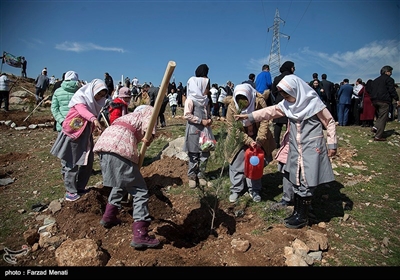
(240, 245)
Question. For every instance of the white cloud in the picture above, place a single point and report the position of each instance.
(364, 62)
(83, 47)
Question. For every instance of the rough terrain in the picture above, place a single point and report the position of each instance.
(182, 218)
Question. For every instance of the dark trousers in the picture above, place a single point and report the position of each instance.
(39, 95)
(4, 95)
(161, 113)
(354, 117)
(382, 111)
(215, 109)
(173, 110)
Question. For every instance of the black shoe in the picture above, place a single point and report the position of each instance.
(379, 139)
(299, 219)
(374, 129)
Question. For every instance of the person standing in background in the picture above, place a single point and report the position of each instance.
(42, 83)
(62, 96)
(367, 114)
(119, 105)
(52, 81)
(229, 88)
(4, 91)
(173, 101)
(110, 84)
(252, 78)
(179, 91)
(135, 82)
(264, 84)
(330, 93)
(315, 78)
(58, 84)
(127, 82)
(198, 117)
(221, 101)
(287, 68)
(355, 102)
(397, 105)
(153, 92)
(214, 99)
(59, 104)
(344, 102)
(320, 91)
(383, 93)
(23, 67)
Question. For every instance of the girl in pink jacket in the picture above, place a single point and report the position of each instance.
(74, 144)
(119, 159)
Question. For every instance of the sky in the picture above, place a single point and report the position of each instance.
(343, 39)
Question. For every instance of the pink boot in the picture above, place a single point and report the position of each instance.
(141, 238)
(110, 216)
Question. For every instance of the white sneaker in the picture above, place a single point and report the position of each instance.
(233, 197)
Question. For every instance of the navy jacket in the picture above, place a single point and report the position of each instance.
(344, 94)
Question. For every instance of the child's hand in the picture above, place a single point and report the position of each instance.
(331, 153)
(206, 122)
(147, 142)
(255, 145)
(98, 125)
(240, 117)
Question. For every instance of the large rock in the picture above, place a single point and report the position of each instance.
(81, 252)
(174, 149)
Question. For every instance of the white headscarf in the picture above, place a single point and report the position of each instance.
(307, 102)
(71, 76)
(196, 87)
(85, 95)
(250, 93)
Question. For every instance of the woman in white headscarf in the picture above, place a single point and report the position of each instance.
(198, 116)
(243, 136)
(74, 144)
(308, 163)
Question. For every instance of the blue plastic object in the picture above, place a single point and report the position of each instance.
(254, 160)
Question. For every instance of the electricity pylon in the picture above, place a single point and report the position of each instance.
(275, 53)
